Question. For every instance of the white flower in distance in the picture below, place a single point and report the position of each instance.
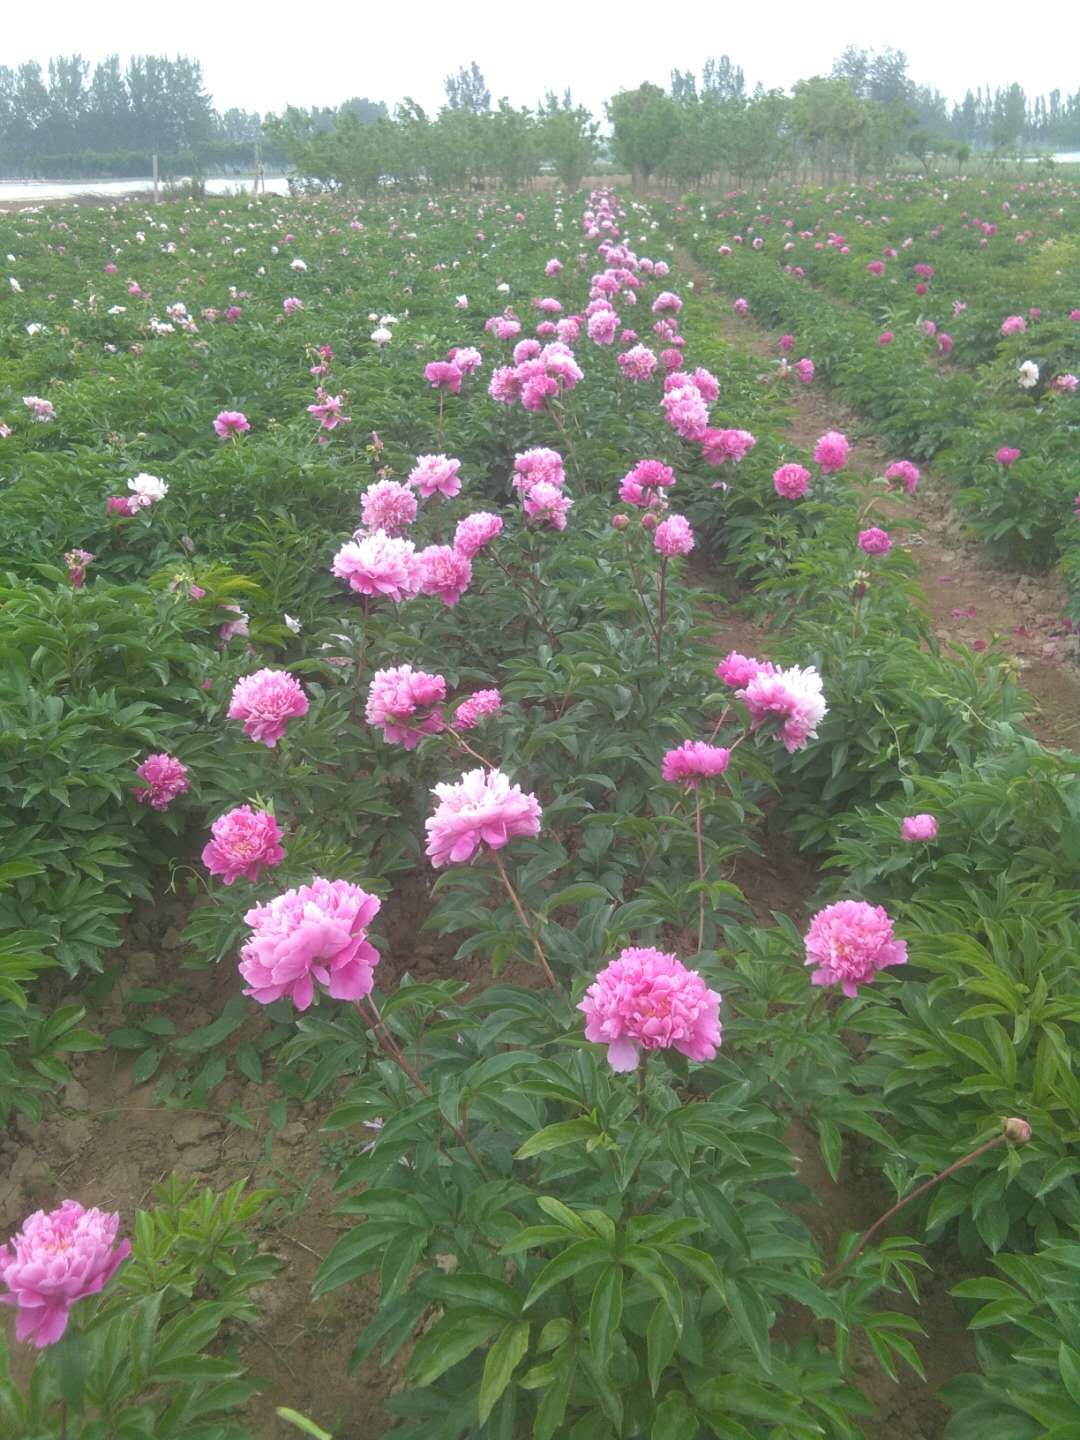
(291, 623)
(382, 336)
(503, 289)
(298, 264)
(34, 328)
(388, 320)
(1029, 375)
(462, 302)
(14, 284)
(147, 490)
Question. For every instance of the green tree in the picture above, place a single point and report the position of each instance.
(645, 124)
(567, 138)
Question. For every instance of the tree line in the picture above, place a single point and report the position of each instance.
(865, 116)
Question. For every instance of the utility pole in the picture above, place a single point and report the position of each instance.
(155, 178)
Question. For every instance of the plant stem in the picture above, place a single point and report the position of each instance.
(524, 920)
(661, 607)
(700, 871)
(642, 1072)
(455, 735)
(831, 1275)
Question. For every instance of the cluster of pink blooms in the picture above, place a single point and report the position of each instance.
(1013, 325)
(475, 531)
(315, 933)
(164, 778)
(388, 506)
(56, 1259)
(535, 381)
(673, 536)
(685, 409)
(875, 541)
(406, 703)
(483, 808)
(792, 696)
(444, 375)
(849, 942)
(638, 364)
(648, 1000)
(475, 707)
(546, 503)
(266, 702)
(532, 466)
(693, 761)
(503, 327)
(902, 473)
(42, 410)
(436, 475)
(720, 446)
(918, 827)
(831, 452)
(791, 481)
(380, 565)
(1007, 455)
(231, 422)
(243, 841)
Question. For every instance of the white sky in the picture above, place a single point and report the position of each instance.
(321, 55)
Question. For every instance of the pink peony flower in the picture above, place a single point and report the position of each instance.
(531, 466)
(546, 503)
(787, 343)
(918, 827)
(239, 626)
(444, 375)
(944, 343)
(291, 304)
(388, 506)
(242, 842)
(476, 531)
(686, 412)
(647, 1000)
(804, 370)
(791, 481)
(406, 704)
(444, 572)
(738, 670)
(266, 702)
(741, 306)
(601, 326)
(77, 562)
(1065, 384)
(673, 536)
(231, 422)
(719, 446)
(436, 475)
(642, 485)
(875, 541)
(467, 358)
(42, 410)
(707, 384)
(1013, 325)
(164, 778)
(526, 350)
(876, 267)
(831, 452)
(885, 338)
(666, 301)
(122, 505)
(56, 1259)
(849, 942)
(903, 473)
(483, 808)
(317, 932)
(327, 411)
(1007, 455)
(379, 564)
(638, 364)
(793, 696)
(473, 709)
(693, 761)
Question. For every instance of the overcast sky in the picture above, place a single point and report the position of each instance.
(260, 60)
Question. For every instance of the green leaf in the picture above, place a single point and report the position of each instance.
(145, 1065)
(552, 1137)
(660, 1340)
(605, 1315)
(580, 1256)
(1069, 1365)
(451, 1340)
(502, 1360)
(749, 1313)
(673, 1419)
(292, 1417)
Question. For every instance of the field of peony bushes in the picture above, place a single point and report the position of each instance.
(371, 582)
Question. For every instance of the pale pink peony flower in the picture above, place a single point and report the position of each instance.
(467, 358)
(849, 942)
(242, 842)
(505, 385)
(473, 709)
(647, 1000)
(944, 343)
(231, 422)
(741, 306)
(164, 778)
(693, 761)
(666, 302)
(804, 370)
(444, 375)
(601, 326)
(707, 384)
(1066, 384)
(1007, 455)
(526, 350)
(327, 411)
(875, 541)
(146, 490)
(388, 506)
(266, 702)
(792, 696)
(876, 267)
(546, 503)
(686, 411)
(476, 531)
(531, 466)
(831, 451)
(483, 808)
(673, 536)
(791, 481)
(436, 475)
(406, 704)
(56, 1259)
(317, 932)
(291, 304)
(638, 364)
(239, 626)
(444, 572)
(1013, 325)
(918, 827)
(903, 473)
(379, 564)
(738, 670)
(42, 410)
